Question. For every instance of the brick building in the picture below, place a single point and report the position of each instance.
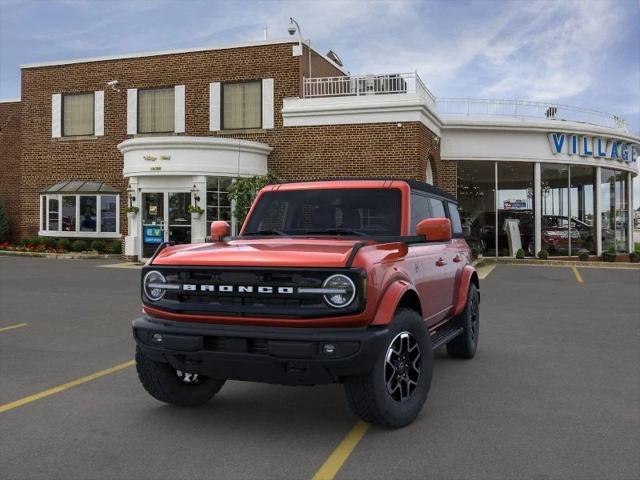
(162, 131)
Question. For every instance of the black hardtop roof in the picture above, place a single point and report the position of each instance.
(414, 184)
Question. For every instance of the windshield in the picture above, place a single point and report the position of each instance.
(362, 211)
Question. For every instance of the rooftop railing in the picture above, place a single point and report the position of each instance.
(358, 85)
(479, 107)
(402, 83)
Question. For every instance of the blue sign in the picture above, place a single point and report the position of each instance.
(588, 146)
(153, 235)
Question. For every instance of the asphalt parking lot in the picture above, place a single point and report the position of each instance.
(554, 391)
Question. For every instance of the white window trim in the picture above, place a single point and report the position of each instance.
(268, 108)
(215, 96)
(132, 111)
(179, 109)
(78, 233)
(56, 115)
(98, 113)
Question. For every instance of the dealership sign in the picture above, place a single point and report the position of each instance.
(596, 147)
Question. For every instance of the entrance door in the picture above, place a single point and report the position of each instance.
(164, 218)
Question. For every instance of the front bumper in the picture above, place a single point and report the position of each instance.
(290, 356)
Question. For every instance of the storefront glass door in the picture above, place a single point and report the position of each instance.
(164, 218)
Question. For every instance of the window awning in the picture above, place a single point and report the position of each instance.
(80, 186)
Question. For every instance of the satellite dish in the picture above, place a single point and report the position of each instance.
(334, 57)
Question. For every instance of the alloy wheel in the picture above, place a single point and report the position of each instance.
(402, 366)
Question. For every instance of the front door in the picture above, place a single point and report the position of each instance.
(164, 218)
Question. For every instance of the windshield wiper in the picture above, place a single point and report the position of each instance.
(267, 232)
(336, 231)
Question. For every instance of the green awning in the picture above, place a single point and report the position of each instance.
(80, 186)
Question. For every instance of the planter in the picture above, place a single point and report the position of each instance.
(131, 215)
(609, 257)
(634, 257)
(196, 215)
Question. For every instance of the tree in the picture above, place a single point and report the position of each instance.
(244, 190)
(4, 223)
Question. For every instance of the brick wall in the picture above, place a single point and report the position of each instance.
(10, 162)
(299, 152)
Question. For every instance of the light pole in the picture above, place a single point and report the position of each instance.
(293, 27)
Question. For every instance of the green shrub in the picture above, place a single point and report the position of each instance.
(244, 190)
(98, 245)
(116, 247)
(610, 255)
(79, 246)
(29, 242)
(634, 257)
(65, 244)
(48, 242)
(474, 253)
(543, 254)
(520, 253)
(4, 224)
(583, 255)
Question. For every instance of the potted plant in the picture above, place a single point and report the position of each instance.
(520, 253)
(610, 255)
(543, 254)
(132, 212)
(195, 211)
(583, 255)
(634, 257)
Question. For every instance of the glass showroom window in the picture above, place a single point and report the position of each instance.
(614, 209)
(78, 114)
(582, 209)
(242, 105)
(156, 110)
(477, 204)
(555, 208)
(516, 224)
(218, 203)
(79, 215)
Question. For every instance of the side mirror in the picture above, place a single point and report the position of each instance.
(219, 230)
(434, 229)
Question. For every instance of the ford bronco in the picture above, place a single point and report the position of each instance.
(349, 281)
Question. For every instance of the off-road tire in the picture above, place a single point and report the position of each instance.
(466, 344)
(162, 383)
(368, 396)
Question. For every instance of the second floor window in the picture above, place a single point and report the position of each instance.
(242, 105)
(156, 110)
(77, 114)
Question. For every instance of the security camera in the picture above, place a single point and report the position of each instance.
(113, 84)
(292, 27)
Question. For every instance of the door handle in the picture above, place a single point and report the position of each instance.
(441, 262)
(457, 259)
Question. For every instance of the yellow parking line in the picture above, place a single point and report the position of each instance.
(577, 274)
(485, 270)
(332, 465)
(65, 386)
(11, 327)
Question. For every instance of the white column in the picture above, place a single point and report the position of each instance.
(133, 239)
(537, 209)
(630, 211)
(199, 226)
(598, 212)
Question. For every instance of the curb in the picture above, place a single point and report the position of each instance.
(63, 256)
(562, 263)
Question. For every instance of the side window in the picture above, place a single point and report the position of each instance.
(437, 208)
(454, 216)
(419, 210)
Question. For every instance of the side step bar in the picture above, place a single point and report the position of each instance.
(445, 335)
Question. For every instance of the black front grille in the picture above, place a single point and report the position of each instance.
(250, 303)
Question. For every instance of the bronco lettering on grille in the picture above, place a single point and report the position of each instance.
(191, 287)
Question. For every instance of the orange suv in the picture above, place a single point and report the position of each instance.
(347, 281)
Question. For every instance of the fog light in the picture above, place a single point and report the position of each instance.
(157, 338)
(329, 348)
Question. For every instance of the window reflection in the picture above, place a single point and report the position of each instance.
(476, 197)
(87, 213)
(516, 224)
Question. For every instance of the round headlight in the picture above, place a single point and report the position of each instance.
(340, 291)
(152, 284)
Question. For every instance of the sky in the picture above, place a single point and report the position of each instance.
(576, 52)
